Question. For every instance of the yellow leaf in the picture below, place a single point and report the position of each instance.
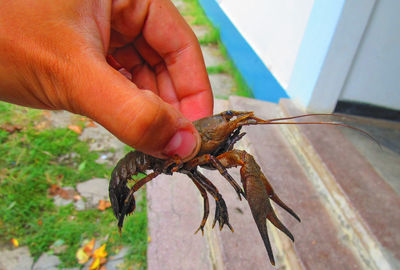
(100, 252)
(82, 256)
(95, 264)
(14, 242)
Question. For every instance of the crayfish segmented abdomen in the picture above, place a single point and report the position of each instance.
(133, 163)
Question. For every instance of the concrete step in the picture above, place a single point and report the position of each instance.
(364, 204)
(318, 241)
(339, 198)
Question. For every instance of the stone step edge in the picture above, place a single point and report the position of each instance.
(335, 200)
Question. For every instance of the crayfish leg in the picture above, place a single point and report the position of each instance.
(206, 204)
(207, 159)
(221, 211)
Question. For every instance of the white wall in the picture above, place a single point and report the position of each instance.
(273, 28)
(375, 74)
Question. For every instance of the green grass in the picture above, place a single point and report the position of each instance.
(28, 166)
(195, 11)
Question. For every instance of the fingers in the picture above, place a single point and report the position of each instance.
(182, 56)
(137, 117)
(166, 33)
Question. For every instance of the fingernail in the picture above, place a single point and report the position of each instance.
(183, 143)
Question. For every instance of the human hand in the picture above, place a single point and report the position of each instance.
(53, 56)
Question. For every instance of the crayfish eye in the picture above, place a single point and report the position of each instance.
(228, 115)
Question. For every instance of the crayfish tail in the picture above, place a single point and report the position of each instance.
(128, 208)
(120, 223)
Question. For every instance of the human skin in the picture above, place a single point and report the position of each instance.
(53, 55)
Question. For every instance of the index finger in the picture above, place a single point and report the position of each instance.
(166, 32)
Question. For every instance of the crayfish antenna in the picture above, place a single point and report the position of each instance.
(275, 121)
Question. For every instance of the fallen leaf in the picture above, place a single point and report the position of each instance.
(100, 252)
(82, 166)
(82, 256)
(14, 242)
(95, 264)
(10, 128)
(91, 124)
(88, 248)
(83, 253)
(54, 190)
(67, 194)
(103, 205)
(75, 128)
(99, 258)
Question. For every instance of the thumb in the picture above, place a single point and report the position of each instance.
(137, 117)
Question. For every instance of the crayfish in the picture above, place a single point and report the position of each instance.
(218, 135)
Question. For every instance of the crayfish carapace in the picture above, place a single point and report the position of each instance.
(218, 135)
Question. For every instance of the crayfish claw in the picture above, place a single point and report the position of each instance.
(273, 196)
(271, 216)
(260, 208)
(258, 194)
(278, 201)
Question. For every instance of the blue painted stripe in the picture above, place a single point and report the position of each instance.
(257, 76)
